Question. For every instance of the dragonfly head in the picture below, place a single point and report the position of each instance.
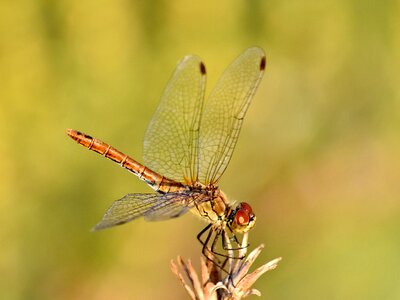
(242, 218)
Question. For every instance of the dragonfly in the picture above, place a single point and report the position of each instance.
(187, 148)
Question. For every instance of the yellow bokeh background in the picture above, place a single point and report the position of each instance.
(318, 156)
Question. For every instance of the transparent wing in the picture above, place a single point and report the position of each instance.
(224, 113)
(171, 140)
(153, 207)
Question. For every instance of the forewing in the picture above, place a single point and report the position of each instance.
(153, 207)
(224, 113)
(171, 140)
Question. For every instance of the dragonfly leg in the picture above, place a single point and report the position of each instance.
(209, 247)
(227, 246)
(209, 252)
(234, 239)
(206, 250)
(201, 233)
(220, 265)
(218, 233)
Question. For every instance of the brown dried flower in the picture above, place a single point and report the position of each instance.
(215, 284)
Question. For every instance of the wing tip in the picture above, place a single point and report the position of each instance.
(98, 227)
(105, 224)
(259, 52)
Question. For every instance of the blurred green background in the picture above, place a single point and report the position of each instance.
(318, 156)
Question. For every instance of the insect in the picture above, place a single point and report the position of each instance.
(187, 147)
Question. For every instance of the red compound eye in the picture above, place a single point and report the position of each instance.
(246, 207)
(242, 217)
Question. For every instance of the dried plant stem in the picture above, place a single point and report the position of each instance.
(215, 284)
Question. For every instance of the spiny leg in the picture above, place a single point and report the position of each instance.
(208, 247)
(226, 245)
(206, 251)
(200, 234)
(209, 252)
(226, 242)
(228, 257)
(211, 249)
(234, 239)
(218, 232)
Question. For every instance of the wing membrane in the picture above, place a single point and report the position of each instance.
(153, 207)
(224, 113)
(171, 140)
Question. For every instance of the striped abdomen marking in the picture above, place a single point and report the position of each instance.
(154, 180)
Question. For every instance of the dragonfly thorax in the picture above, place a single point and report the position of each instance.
(214, 207)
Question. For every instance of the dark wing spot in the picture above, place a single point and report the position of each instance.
(202, 68)
(263, 63)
